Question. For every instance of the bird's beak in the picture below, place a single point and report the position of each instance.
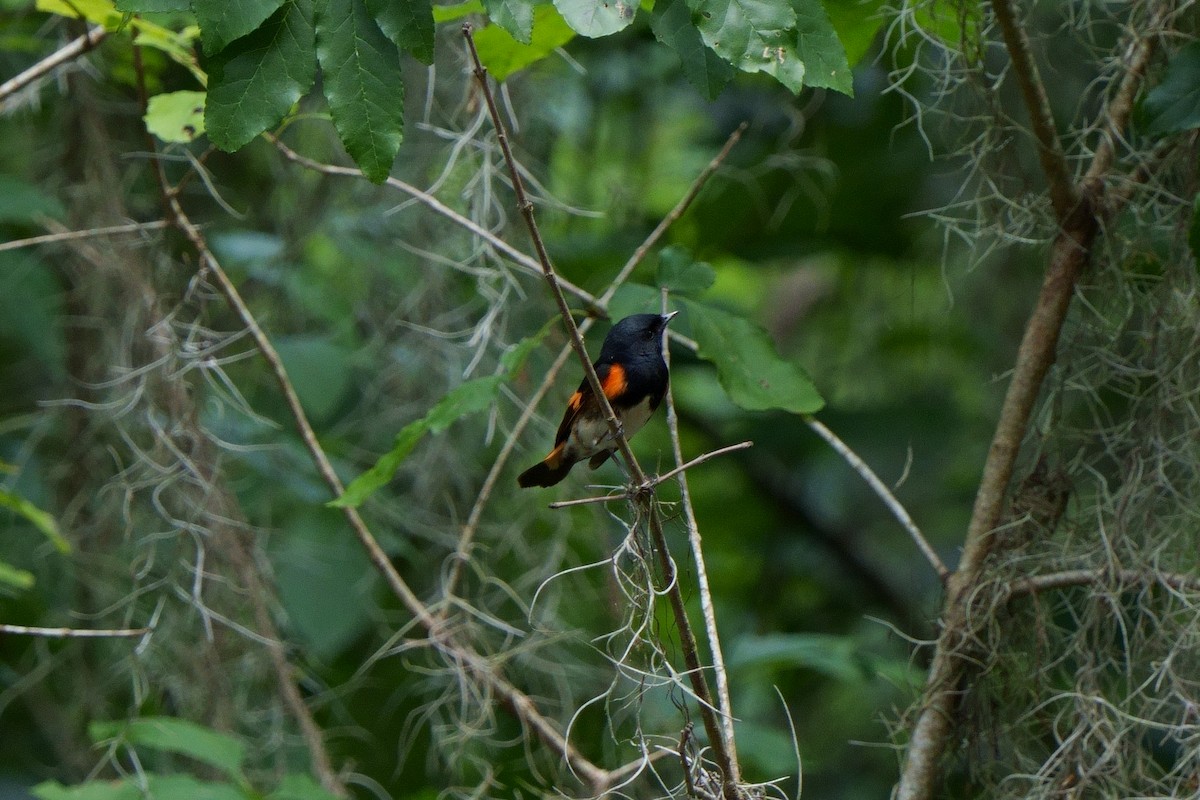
(667, 317)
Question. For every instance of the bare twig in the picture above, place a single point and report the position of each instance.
(687, 636)
(64, 54)
(74, 633)
(706, 601)
(720, 451)
(67, 236)
(884, 494)
(1071, 252)
(1085, 577)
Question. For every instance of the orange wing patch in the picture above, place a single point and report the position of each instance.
(614, 383)
(554, 460)
(576, 401)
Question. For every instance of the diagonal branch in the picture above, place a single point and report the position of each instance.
(63, 55)
(1070, 254)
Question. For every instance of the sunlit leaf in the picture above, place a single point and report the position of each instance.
(258, 78)
(14, 577)
(364, 85)
(514, 16)
(503, 55)
(595, 18)
(152, 6)
(176, 116)
(458, 10)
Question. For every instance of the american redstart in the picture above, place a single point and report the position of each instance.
(634, 378)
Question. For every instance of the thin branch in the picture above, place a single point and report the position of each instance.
(1050, 152)
(552, 280)
(884, 494)
(530, 265)
(61, 56)
(706, 600)
(74, 633)
(1086, 577)
(638, 477)
(467, 537)
(1071, 252)
(68, 236)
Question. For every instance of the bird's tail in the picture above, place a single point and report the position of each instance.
(547, 472)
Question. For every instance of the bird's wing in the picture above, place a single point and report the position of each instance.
(612, 380)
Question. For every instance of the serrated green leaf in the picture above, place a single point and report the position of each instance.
(176, 116)
(1173, 105)
(753, 35)
(257, 79)
(514, 16)
(24, 202)
(91, 790)
(817, 44)
(468, 398)
(408, 23)
(173, 735)
(748, 365)
(224, 21)
(503, 55)
(152, 6)
(857, 23)
(680, 273)
(457, 10)
(41, 520)
(299, 787)
(363, 84)
(671, 22)
(14, 577)
(595, 18)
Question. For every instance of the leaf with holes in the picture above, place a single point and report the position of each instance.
(753, 35)
(595, 18)
(364, 85)
(176, 116)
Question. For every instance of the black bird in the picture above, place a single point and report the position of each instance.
(634, 378)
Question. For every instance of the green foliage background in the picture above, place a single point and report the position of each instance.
(127, 392)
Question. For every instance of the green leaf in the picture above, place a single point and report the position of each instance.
(817, 43)
(31, 310)
(857, 23)
(97, 12)
(364, 85)
(514, 359)
(176, 116)
(595, 18)
(503, 55)
(320, 372)
(1174, 105)
(91, 790)
(748, 366)
(835, 656)
(24, 202)
(257, 79)
(514, 16)
(753, 35)
(14, 577)
(224, 21)
(468, 398)
(41, 520)
(678, 272)
(173, 735)
(408, 23)
(299, 787)
(671, 22)
(457, 10)
(152, 6)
